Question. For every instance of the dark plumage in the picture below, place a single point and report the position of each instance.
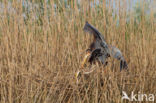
(100, 50)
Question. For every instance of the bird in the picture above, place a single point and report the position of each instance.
(99, 50)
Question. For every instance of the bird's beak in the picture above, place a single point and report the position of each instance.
(77, 75)
(85, 59)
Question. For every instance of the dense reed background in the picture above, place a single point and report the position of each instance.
(42, 45)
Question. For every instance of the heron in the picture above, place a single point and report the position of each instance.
(100, 51)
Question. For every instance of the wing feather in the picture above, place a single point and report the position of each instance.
(98, 37)
(92, 30)
(116, 53)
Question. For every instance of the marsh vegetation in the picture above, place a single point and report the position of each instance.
(42, 44)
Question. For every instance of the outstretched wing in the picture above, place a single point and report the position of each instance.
(116, 53)
(98, 37)
(92, 30)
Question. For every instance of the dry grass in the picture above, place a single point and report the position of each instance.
(38, 58)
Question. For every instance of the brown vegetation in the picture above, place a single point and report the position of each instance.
(39, 58)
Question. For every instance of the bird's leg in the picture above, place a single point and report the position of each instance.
(85, 59)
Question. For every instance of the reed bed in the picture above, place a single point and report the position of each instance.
(41, 51)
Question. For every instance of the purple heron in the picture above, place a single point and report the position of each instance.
(100, 51)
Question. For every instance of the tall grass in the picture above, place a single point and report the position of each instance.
(40, 53)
